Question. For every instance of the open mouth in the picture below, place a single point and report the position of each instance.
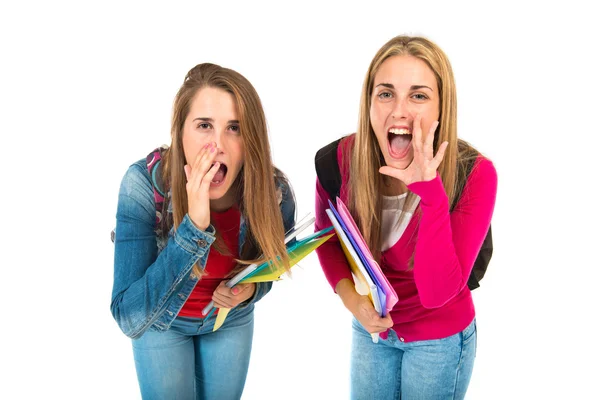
(220, 175)
(399, 142)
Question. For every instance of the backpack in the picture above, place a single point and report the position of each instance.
(153, 161)
(328, 172)
(153, 164)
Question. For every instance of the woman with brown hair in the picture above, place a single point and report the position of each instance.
(224, 205)
(423, 200)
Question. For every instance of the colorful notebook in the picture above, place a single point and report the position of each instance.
(370, 264)
(385, 292)
(362, 279)
(272, 271)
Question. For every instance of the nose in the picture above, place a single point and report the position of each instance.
(401, 109)
(219, 139)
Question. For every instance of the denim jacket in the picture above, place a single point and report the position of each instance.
(152, 276)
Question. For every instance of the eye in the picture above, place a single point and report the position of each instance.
(385, 96)
(234, 128)
(204, 125)
(419, 96)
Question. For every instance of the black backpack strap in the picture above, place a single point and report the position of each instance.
(482, 261)
(328, 169)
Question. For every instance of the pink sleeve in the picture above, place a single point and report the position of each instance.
(331, 256)
(448, 244)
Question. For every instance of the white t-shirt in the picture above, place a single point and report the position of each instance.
(391, 228)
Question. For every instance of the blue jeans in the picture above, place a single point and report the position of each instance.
(190, 361)
(428, 369)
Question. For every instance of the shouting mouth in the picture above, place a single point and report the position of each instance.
(219, 177)
(399, 140)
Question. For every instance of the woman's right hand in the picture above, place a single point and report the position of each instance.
(199, 176)
(362, 308)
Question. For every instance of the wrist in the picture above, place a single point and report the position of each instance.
(208, 228)
(251, 291)
(347, 292)
(431, 175)
(201, 227)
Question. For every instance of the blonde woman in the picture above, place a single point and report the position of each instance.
(423, 199)
(224, 205)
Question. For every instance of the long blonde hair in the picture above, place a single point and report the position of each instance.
(365, 200)
(255, 185)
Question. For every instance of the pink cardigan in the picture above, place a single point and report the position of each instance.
(434, 300)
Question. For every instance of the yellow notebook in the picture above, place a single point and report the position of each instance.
(266, 273)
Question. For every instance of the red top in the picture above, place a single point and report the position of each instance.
(218, 266)
(434, 300)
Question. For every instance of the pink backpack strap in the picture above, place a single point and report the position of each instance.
(153, 163)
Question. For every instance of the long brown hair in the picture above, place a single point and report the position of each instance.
(255, 185)
(364, 191)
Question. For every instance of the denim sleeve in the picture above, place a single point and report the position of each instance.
(144, 283)
(288, 213)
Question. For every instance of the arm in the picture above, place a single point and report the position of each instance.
(448, 244)
(336, 269)
(330, 254)
(144, 283)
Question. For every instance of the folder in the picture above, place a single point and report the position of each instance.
(370, 264)
(273, 270)
(368, 278)
(362, 279)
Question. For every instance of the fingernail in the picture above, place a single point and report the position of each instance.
(235, 291)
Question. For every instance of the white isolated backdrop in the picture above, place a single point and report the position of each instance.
(87, 88)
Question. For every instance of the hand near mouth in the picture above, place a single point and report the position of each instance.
(424, 165)
(199, 177)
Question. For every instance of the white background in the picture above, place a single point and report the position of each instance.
(87, 88)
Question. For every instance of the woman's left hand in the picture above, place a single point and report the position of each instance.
(424, 165)
(225, 297)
